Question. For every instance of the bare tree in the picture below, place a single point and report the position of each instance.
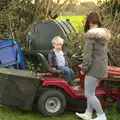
(50, 8)
(19, 15)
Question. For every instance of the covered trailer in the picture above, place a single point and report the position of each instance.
(39, 36)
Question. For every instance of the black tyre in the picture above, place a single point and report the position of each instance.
(51, 103)
(118, 107)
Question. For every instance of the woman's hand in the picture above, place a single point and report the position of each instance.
(82, 73)
(54, 68)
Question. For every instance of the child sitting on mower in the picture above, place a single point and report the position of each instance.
(57, 59)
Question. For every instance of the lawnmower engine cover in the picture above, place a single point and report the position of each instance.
(113, 72)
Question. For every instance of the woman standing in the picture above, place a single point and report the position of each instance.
(95, 64)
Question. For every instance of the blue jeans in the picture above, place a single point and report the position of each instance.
(69, 73)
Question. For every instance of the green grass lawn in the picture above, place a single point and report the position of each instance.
(77, 21)
(7, 113)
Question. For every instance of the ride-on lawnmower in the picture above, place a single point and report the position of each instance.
(48, 90)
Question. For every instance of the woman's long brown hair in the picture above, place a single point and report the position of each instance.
(93, 18)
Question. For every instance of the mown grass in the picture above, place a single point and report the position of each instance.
(7, 113)
(77, 21)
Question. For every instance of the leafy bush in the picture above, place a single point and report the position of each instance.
(110, 12)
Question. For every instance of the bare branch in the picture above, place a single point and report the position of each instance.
(55, 11)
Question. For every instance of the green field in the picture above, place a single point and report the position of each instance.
(77, 21)
(7, 113)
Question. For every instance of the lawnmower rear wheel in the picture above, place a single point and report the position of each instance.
(51, 103)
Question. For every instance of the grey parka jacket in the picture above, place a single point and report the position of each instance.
(95, 60)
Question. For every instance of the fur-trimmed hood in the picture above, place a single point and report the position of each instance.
(99, 34)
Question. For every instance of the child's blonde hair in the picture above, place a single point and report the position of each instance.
(57, 38)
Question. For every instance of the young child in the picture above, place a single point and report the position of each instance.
(57, 59)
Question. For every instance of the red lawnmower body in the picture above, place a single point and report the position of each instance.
(101, 92)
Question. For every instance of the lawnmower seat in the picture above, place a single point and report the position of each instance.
(11, 55)
(47, 66)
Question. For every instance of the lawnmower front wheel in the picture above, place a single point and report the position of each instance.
(118, 107)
